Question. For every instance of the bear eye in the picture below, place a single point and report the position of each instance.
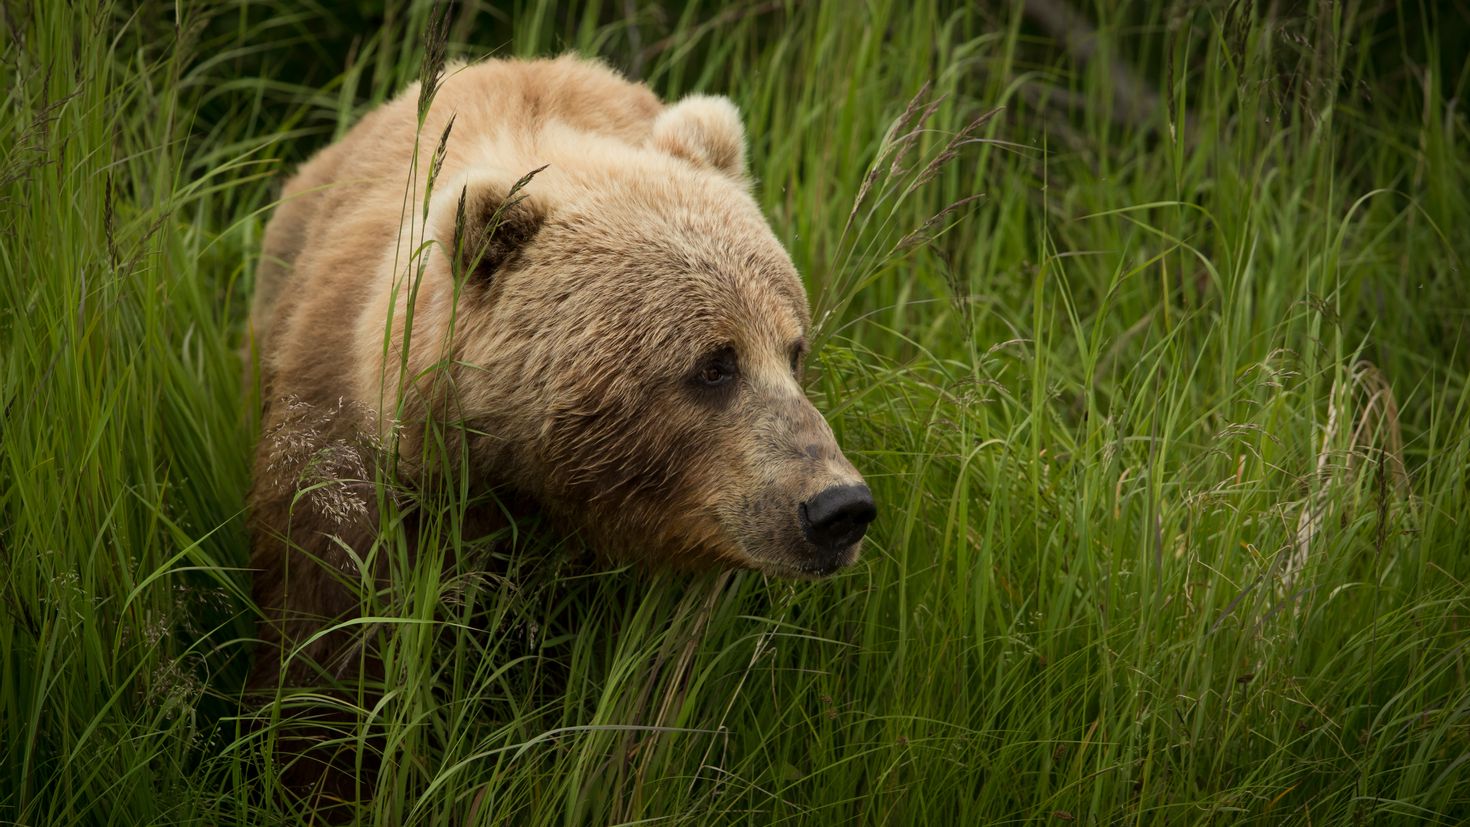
(798, 351)
(717, 368)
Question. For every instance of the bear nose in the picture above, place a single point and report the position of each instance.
(837, 517)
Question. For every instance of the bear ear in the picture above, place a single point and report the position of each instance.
(490, 227)
(704, 130)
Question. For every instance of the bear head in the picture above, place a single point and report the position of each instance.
(621, 337)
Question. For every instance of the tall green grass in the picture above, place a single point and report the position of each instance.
(1169, 429)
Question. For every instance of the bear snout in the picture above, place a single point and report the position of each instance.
(834, 522)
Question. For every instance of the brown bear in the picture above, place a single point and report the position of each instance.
(618, 338)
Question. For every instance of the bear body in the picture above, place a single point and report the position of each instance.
(587, 297)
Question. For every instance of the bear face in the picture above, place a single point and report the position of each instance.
(627, 338)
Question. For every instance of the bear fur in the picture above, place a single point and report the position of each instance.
(600, 315)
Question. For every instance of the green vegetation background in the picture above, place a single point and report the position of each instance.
(1168, 427)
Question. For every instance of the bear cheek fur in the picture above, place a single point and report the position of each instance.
(627, 455)
(636, 492)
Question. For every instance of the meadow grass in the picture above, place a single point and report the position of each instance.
(1169, 429)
